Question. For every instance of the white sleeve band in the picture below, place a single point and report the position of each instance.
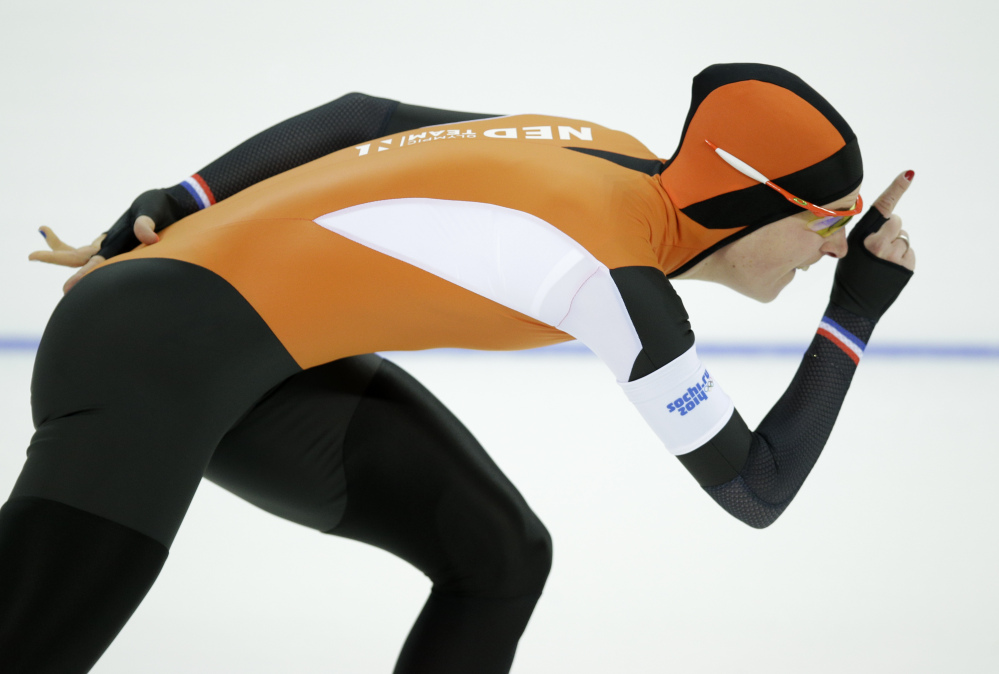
(682, 403)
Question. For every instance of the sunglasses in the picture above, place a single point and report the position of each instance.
(825, 222)
(828, 225)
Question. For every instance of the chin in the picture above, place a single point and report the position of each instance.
(759, 289)
(761, 295)
(767, 294)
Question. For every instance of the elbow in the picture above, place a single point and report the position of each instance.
(354, 97)
(738, 500)
(759, 520)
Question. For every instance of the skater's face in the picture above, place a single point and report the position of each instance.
(762, 263)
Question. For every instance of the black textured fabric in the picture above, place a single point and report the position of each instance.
(142, 422)
(721, 459)
(350, 119)
(658, 315)
(69, 581)
(356, 445)
(767, 204)
(286, 455)
(415, 472)
(463, 634)
(865, 284)
(720, 74)
(407, 117)
(748, 209)
(822, 183)
(360, 447)
(165, 207)
(421, 487)
(791, 437)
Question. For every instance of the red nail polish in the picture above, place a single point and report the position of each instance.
(909, 175)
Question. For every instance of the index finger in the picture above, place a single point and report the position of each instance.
(889, 198)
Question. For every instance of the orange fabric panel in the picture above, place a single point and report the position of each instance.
(766, 126)
(691, 240)
(606, 208)
(327, 297)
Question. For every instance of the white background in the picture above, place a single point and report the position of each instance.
(887, 560)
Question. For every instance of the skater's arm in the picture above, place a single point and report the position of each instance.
(349, 120)
(754, 475)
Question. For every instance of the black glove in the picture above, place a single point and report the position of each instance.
(163, 206)
(865, 284)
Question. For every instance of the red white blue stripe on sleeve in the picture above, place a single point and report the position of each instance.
(198, 188)
(843, 338)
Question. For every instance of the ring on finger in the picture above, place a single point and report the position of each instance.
(902, 236)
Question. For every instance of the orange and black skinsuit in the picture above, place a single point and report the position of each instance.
(370, 225)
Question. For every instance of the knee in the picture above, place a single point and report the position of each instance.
(508, 555)
(530, 562)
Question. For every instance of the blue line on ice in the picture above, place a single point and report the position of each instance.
(11, 343)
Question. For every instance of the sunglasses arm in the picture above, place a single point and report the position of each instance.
(739, 165)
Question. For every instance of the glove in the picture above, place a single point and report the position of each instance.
(161, 205)
(866, 284)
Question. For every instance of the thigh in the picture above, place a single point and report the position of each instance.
(421, 486)
(142, 369)
(286, 455)
(358, 448)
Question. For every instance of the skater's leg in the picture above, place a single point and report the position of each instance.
(142, 369)
(360, 449)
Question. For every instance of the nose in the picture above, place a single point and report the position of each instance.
(835, 245)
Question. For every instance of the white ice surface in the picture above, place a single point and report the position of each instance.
(886, 561)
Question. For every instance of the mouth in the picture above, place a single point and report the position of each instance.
(805, 266)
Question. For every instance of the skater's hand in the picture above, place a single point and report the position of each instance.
(85, 257)
(891, 242)
(879, 260)
(151, 211)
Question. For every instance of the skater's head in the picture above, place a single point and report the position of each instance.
(748, 123)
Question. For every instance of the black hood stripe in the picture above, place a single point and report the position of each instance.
(652, 167)
(720, 74)
(820, 183)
